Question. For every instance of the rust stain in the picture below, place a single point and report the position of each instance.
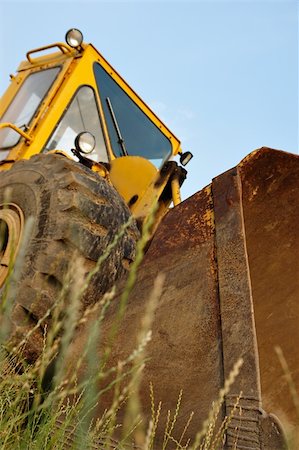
(187, 225)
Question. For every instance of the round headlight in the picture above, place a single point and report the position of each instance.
(185, 158)
(85, 142)
(74, 38)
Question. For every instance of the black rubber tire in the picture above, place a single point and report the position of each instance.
(76, 214)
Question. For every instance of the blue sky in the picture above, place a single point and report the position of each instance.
(222, 75)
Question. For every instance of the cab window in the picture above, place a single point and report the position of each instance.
(81, 115)
(140, 136)
(25, 104)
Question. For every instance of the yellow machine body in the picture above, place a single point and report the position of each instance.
(136, 178)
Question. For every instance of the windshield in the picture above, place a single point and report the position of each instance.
(81, 115)
(130, 130)
(25, 104)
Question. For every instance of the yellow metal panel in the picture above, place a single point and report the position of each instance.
(140, 184)
(131, 176)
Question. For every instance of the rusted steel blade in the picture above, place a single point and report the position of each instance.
(185, 351)
(236, 309)
(270, 196)
(226, 295)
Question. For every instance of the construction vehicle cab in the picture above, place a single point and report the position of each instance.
(56, 96)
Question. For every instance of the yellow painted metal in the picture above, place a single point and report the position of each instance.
(43, 60)
(141, 185)
(175, 189)
(17, 129)
(62, 47)
(132, 176)
(60, 152)
(101, 170)
(153, 195)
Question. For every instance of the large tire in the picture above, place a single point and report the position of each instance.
(76, 214)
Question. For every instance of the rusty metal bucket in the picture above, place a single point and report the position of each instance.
(230, 257)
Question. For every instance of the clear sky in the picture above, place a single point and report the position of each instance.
(222, 75)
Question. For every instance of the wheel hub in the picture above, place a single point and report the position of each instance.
(11, 229)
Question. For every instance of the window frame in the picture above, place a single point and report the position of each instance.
(67, 109)
(141, 107)
(39, 107)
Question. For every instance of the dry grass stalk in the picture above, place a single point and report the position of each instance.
(292, 433)
(29, 420)
(203, 439)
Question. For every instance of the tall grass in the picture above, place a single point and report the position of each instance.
(60, 413)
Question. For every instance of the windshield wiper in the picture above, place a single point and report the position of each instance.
(117, 129)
